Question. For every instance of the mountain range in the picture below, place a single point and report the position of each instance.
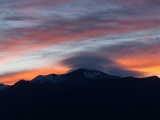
(81, 94)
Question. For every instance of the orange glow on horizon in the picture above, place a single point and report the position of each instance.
(149, 67)
(137, 64)
(30, 74)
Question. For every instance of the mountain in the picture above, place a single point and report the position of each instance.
(81, 94)
(2, 86)
(80, 74)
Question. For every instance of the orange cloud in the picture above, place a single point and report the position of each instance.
(39, 38)
(146, 61)
(150, 66)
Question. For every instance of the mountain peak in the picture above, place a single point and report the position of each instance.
(79, 74)
(93, 74)
(45, 78)
(3, 86)
(21, 82)
(153, 77)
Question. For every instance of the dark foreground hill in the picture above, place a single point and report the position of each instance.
(82, 95)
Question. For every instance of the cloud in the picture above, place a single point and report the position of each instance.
(30, 4)
(135, 58)
(139, 55)
(18, 18)
(94, 60)
(34, 25)
(56, 25)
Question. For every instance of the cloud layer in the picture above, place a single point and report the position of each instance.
(37, 34)
(96, 60)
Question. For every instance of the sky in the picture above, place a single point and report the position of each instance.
(40, 37)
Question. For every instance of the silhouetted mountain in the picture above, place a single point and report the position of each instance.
(80, 74)
(81, 94)
(2, 86)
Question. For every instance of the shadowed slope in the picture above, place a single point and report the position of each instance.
(82, 97)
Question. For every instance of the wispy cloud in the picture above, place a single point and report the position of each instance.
(105, 26)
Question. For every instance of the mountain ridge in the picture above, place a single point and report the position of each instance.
(77, 74)
(88, 73)
(81, 96)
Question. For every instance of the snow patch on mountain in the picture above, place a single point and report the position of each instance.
(77, 74)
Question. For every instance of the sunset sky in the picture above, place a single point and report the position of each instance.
(40, 37)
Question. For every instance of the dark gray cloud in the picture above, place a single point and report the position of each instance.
(113, 18)
(87, 60)
(94, 60)
(132, 49)
(19, 18)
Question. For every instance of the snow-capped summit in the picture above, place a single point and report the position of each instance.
(45, 78)
(92, 74)
(79, 74)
